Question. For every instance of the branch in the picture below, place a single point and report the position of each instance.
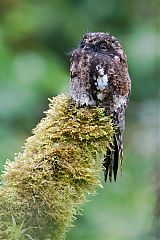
(43, 188)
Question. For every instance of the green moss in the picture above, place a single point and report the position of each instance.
(60, 164)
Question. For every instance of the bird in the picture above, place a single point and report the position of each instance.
(99, 77)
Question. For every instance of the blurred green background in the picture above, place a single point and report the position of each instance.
(35, 39)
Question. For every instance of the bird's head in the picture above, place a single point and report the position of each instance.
(103, 44)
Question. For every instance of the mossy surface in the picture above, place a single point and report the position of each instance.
(43, 188)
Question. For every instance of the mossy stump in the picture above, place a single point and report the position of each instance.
(60, 164)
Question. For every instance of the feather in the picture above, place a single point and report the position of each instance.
(115, 157)
(106, 164)
(112, 158)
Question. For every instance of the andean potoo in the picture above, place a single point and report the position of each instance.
(99, 78)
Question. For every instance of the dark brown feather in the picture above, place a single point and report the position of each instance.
(111, 162)
(115, 158)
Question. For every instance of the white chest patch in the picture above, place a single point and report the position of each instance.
(100, 96)
(102, 82)
(101, 71)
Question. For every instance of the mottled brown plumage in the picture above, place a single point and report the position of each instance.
(99, 78)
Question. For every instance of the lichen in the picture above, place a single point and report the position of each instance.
(60, 164)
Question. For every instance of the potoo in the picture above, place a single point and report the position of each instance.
(99, 78)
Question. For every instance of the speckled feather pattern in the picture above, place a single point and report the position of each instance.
(99, 78)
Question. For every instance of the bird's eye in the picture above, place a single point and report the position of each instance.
(103, 45)
(82, 45)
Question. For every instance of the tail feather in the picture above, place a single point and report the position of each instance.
(120, 150)
(106, 164)
(113, 157)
